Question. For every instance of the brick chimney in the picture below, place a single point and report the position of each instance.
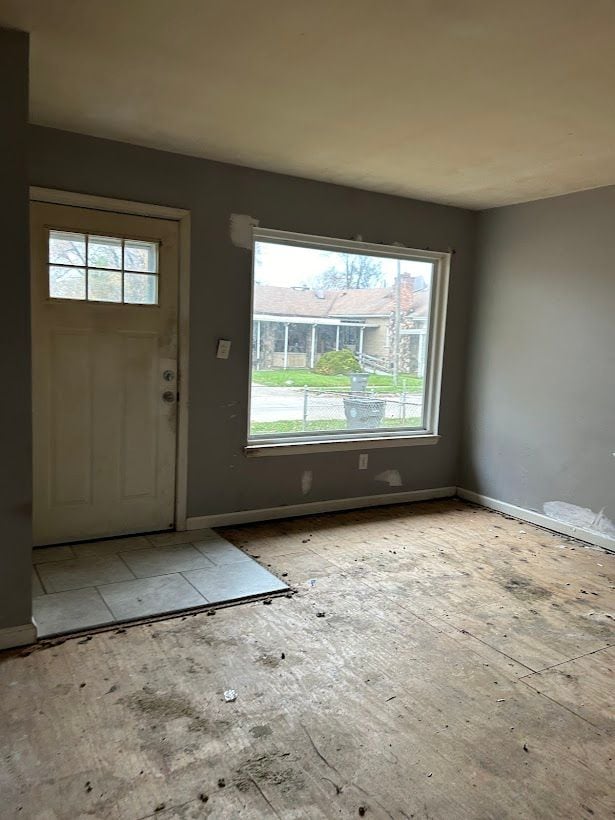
(406, 293)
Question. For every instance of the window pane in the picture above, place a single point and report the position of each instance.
(104, 286)
(66, 248)
(66, 283)
(340, 341)
(104, 252)
(141, 256)
(140, 289)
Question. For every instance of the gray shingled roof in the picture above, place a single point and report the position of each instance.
(279, 301)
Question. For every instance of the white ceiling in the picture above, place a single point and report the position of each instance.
(470, 102)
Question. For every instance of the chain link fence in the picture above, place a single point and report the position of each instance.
(310, 409)
(344, 409)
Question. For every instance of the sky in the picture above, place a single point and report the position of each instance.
(288, 266)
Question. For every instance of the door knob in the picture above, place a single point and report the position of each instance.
(168, 396)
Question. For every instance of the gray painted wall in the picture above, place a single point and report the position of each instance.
(540, 401)
(221, 479)
(15, 415)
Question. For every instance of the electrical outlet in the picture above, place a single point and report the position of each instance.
(363, 461)
(224, 349)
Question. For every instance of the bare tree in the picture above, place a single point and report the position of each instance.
(352, 271)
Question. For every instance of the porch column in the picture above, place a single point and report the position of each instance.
(337, 338)
(313, 347)
(361, 329)
(286, 346)
(258, 344)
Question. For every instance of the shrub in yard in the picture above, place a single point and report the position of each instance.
(337, 362)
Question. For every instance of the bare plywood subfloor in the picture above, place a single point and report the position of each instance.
(447, 663)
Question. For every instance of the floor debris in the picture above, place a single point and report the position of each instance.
(230, 695)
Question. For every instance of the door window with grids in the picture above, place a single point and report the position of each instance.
(93, 268)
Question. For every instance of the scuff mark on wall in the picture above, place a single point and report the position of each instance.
(241, 230)
(581, 517)
(390, 477)
(306, 482)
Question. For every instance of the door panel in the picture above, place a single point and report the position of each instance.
(139, 417)
(71, 423)
(104, 431)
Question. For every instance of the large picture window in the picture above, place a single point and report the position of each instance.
(347, 341)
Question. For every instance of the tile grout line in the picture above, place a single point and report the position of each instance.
(117, 555)
(211, 565)
(198, 591)
(40, 580)
(145, 577)
(106, 605)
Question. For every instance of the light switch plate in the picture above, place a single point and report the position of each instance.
(224, 349)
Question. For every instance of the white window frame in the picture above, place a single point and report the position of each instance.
(271, 445)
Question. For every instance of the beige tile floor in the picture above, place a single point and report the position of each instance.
(93, 584)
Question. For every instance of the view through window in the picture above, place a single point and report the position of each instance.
(340, 341)
(91, 268)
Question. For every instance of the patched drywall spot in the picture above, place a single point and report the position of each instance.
(390, 477)
(241, 230)
(306, 482)
(581, 517)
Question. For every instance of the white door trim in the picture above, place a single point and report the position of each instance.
(182, 217)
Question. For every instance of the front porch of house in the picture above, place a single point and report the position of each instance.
(297, 342)
(292, 342)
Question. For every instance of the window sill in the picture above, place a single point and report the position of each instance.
(289, 448)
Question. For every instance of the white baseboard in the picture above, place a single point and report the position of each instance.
(17, 636)
(317, 507)
(545, 521)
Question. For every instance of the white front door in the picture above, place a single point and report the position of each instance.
(104, 368)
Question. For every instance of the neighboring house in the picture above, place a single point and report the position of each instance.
(293, 327)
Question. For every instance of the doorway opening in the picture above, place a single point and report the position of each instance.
(110, 366)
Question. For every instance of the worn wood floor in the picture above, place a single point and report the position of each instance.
(448, 662)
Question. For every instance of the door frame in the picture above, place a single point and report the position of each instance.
(182, 217)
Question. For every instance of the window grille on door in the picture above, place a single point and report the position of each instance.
(93, 268)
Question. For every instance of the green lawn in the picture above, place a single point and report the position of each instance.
(301, 378)
(317, 425)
